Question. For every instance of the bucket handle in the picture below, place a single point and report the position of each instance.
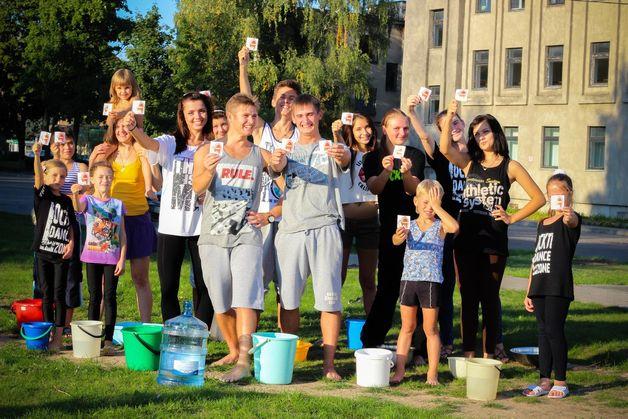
(259, 345)
(89, 334)
(32, 338)
(145, 344)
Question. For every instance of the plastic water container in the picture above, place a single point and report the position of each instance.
(183, 350)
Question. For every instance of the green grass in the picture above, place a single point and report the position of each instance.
(34, 385)
(587, 271)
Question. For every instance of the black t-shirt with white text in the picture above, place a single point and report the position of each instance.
(452, 178)
(553, 254)
(55, 215)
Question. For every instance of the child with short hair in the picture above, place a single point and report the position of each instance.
(422, 274)
(54, 240)
(550, 285)
(105, 245)
(220, 125)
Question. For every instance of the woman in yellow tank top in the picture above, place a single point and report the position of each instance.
(128, 186)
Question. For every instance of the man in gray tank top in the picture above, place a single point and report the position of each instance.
(308, 240)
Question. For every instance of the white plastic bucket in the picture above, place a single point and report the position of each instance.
(482, 378)
(372, 367)
(457, 366)
(86, 336)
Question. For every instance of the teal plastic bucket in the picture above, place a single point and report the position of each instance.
(273, 357)
(36, 335)
(354, 329)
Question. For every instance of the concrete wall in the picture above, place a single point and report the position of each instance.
(573, 107)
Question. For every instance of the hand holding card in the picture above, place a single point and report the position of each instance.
(424, 94)
(139, 106)
(44, 138)
(557, 202)
(403, 221)
(347, 118)
(399, 151)
(324, 145)
(83, 178)
(59, 137)
(287, 144)
(216, 147)
(107, 108)
(462, 95)
(251, 44)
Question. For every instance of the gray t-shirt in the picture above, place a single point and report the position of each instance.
(312, 196)
(233, 192)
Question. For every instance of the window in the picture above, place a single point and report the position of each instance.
(513, 67)
(550, 147)
(480, 69)
(392, 74)
(554, 66)
(517, 4)
(483, 6)
(597, 140)
(434, 104)
(437, 28)
(555, 2)
(512, 137)
(599, 63)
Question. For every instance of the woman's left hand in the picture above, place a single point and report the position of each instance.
(501, 215)
(568, 215)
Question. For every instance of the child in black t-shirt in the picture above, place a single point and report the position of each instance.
(550, 287)
(53, 241)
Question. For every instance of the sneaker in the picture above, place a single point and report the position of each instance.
(108, 349)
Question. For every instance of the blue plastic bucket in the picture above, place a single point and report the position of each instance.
(36, 335)
(273, 357)
(354, 329)
(118, 339)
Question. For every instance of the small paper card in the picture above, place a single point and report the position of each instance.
(347, 118)
(461, 95)
(557, 202)
(424, 94)
(403, 221)
(139, 106)
(324, 145)
(83, 178)
(287, 144)
(216, 147)
(399, 151)
(251, 44)
(44, 138)
(59, 137)
(207, 93)
(107, 108)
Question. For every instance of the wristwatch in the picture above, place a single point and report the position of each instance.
(271, 219)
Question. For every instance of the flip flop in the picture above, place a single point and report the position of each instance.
(535, 391)
(563, 389)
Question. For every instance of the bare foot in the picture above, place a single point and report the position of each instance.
(229, 359)
(238, 372)
(397, 378)
(331, 374)
(432, 381)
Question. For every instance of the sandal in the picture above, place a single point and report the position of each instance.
(500, 354)
(562, 389)
(535, 391)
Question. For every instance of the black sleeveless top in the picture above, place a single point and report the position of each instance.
(484, 189)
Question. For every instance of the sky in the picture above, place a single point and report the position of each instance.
(167, 9)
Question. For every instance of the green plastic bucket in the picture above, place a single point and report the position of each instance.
(141, 347)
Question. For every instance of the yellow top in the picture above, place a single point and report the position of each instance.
(128, 187)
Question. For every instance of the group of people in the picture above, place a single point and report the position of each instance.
(256, 202)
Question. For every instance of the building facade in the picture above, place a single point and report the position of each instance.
(553, 72)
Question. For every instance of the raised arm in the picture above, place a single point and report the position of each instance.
(336, 130)
(428, 143)
(138, 133)
(446, 145)
(448, 223)
(76, 202)
(39, 175)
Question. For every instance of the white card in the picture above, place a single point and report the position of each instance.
(216, 147)
(287, 144)
(59, 137)
(139, 106)
(461, 95)
(399, 151)
(44, 138)
(557, 202)
(424, 94)
(403, 221)
(251, 44)
(324, 145)
(107, 108)
(347, 118)
(83, 178)
(207, 93)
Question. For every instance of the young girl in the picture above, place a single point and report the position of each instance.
(550, 287)
(105, 245)
(54, 240)
(422, 274)
(359, 204)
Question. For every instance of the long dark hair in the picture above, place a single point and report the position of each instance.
(182, 133)
(350, 141)
(500, 145)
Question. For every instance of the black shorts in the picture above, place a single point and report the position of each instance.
(365, 231)
(419, 293)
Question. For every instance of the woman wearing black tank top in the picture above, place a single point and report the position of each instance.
(481, 247)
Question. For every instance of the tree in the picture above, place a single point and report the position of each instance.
(147, 55)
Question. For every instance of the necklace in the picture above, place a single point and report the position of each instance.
(123, 161)
(488, 165)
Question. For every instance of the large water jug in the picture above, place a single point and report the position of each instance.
(183, 350)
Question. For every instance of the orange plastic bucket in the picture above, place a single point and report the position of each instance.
(28, 311)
